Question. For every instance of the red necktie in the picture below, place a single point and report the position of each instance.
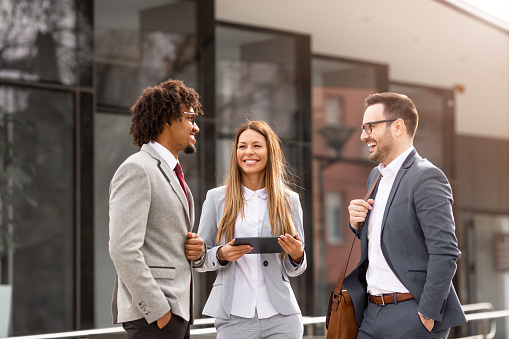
(180, 176)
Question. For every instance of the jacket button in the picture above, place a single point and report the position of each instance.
(265, 263)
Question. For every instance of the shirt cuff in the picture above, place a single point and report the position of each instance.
(221, 262)
(199, 262)
(294, 264)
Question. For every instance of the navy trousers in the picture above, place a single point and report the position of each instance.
(395, 321)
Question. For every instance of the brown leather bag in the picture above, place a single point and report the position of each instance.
(340, 320)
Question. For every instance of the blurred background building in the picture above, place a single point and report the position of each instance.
(70, 70)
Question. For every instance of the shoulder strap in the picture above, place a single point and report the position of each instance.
(341, 278)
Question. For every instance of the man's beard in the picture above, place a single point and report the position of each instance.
(384, 148)
(190, 149)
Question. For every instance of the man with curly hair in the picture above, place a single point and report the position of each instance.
(152, 215)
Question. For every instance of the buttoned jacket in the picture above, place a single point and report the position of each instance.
(276, 271)
(149, 220)
(418, 242)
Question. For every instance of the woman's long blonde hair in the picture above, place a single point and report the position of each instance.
(276, 183)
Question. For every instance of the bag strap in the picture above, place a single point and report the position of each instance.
(341, 278)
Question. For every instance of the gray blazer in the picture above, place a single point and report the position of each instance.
(276, 270)
(418, 242)
(149, 221)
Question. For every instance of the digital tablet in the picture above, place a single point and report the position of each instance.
(261, 244)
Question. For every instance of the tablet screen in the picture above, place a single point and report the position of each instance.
(260, 244)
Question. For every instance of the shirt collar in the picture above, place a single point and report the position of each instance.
(396, 164)
(248, 194)
(165, 154)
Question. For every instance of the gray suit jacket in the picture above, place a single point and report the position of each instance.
(418, 242)
(276, 271)
(149, 221)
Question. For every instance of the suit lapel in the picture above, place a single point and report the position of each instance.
(402, 171)
(191, 205)
(167, 172)
(266, 229)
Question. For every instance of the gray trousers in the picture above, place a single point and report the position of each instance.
(276, 327)
(395, 321)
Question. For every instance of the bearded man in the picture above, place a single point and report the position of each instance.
(402, 286)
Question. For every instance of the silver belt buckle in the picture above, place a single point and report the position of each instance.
(383, 301)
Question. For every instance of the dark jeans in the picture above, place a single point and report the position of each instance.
(177, 328)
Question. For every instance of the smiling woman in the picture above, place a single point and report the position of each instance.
(254, 202)
(252, 159)
(257, 162)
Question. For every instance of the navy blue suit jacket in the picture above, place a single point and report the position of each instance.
(418, 242)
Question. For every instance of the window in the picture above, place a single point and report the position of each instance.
(261, 74)
(38, 41)
(139, 44)
(333, 110)
(335, 219)
(340, 159)
(43, 209)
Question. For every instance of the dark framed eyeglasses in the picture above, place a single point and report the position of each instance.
(193, 118)
(367, 126)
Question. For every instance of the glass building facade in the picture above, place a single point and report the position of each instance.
(46, 110)
(70, 70)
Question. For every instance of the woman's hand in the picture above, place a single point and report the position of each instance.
(292, 246)
(229, 252)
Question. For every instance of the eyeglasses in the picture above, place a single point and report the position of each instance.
(367, 126)
(193, 119)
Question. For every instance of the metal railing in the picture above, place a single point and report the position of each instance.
(116, 329)
(480, 312)
(307, 321)
(486, 316)
(469, 310)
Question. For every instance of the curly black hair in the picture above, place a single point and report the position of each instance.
(158, 105)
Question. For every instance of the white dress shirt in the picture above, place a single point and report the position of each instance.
(167, 156)
(250, 291)
(380, 278)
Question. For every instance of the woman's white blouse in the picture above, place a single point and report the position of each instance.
(250, 291)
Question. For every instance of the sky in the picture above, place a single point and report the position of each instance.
(494, 11)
